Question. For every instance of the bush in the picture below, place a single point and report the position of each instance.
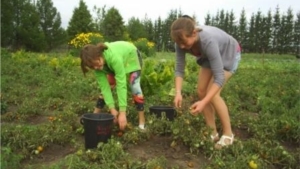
(82, 39)
(145, 46)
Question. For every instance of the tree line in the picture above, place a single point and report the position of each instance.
(35, 25)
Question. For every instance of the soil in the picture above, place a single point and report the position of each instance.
(157, 146)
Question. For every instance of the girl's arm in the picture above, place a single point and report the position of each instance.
(105, 88)
(213, 54)
(121, 81)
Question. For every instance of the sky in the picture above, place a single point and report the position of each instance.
(161, 8)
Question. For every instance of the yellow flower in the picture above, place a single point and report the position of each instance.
(85, 38)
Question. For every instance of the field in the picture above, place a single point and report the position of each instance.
(43, 97)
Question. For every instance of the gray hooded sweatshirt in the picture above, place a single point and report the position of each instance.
(218, 51)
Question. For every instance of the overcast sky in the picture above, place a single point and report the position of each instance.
(155, 8)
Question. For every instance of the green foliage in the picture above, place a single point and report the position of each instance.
(113, 26)
(81, 21)
(50, 23)
(9, 159)
(262, 97)
(29, 34)
(157, 76)
(83, 39)
(7, 26)
(145, 46)
(135, 29)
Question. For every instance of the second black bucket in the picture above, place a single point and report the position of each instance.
(169, 111)
(97, 128)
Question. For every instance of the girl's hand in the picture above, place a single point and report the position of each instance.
(122, 120)
(115, 113)
(197, 108)
(178, 100)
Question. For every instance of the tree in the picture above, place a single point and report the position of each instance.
(7, 23)
(266, 32)
(251, 39)
(136, 29)
(258, 32)
(297, 34)
(113, 25)
(50, 22)
(231, 26)
(208, 19)
(167, 44)
(149, 28)
(275, 33)
(21, 27)
(287, 27)
(242, 32)
(81, 21)
(98, 20)
(158, 34)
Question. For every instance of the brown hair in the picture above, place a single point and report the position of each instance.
(183, 26)
(89, 53)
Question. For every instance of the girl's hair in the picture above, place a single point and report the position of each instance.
(89, 53)
(183, 26)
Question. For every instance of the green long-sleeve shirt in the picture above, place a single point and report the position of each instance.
(120, 59)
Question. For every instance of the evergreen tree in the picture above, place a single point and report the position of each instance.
(98, 20)
(287, 31)
(136, 29)
(226, 23)
(81, 21)
(217, 19)
(8, 9)
(50, 22)
(242, 32)
(113, 26)
(258, 32)
(221, 23)
(23, 29)
(232, 27)
(275, 33)
(158, 34)
(167, 43)
(149, 28)
(296, 43)
(251, 38)
(208, 19)
(266, 32)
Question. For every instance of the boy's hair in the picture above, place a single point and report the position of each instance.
(184, 25)
(89, 53)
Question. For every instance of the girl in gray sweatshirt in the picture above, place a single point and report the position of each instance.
(218, 54)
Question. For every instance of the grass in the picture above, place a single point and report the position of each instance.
(263, 98)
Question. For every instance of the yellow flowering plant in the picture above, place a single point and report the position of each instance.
(145, 46)
(84, 38)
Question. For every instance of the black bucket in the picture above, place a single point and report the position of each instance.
(97, 128)
(168, 110)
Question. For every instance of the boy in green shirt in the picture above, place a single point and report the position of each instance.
(112, 62)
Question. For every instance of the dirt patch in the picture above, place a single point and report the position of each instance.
(50, 154)
(36, 120)
(177, 156)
